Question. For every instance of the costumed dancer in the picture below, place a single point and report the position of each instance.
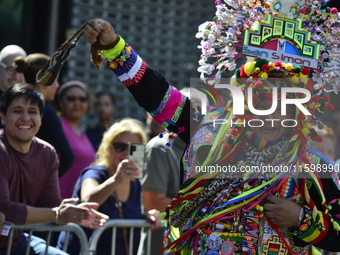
(255, 212)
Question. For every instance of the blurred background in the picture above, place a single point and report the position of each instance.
(161, 31)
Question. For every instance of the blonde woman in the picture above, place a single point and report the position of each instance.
(109, 182)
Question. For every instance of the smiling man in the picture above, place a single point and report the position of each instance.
(29, 190)
(22, 119)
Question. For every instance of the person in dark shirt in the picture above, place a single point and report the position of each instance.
(105, 108)
(8, 75)
(29, 191)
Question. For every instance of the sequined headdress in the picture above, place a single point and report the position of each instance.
(300, 39)
(304, 31)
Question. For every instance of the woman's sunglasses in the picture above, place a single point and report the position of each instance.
(119, 146)
(73, 99)
(9, 69)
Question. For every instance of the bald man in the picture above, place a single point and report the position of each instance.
(8, 77)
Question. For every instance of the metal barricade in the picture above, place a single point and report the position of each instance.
(49, 228)
(123, 223)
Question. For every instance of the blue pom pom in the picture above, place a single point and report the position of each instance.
(160, 135)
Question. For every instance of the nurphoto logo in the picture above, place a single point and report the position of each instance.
(280, 96)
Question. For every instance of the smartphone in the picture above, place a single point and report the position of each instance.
(137, 156)
(5, 228)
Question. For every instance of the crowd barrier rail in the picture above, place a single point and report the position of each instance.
(49, 228)
(122, 223)
(89, 247)
(144, 225)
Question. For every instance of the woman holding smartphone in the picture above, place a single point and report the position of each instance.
(110, 182)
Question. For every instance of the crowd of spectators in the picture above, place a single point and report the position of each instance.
(50, 151)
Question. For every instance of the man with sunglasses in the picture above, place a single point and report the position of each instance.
(8, 75)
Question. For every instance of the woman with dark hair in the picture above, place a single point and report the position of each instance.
(104, 108)
(50, 130)
(73, 103)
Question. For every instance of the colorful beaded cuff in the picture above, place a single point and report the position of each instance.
(119, 61)
(306, 230)
(114, 52)
(305, 221)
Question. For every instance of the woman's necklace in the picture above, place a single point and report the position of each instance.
(78, 131)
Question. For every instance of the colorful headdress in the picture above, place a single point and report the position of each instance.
(254, 74)
(298, 39)
(301, 32)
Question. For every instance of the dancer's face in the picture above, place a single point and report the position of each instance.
(272, 130)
